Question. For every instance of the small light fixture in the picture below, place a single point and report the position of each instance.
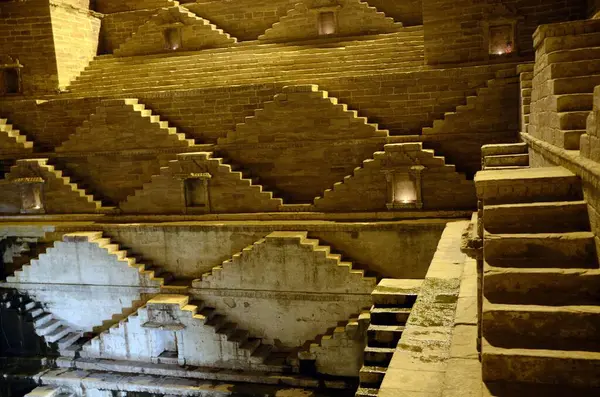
(327, 23)
(404, 188)
(172, 38)
(501, 39)
(31, 195)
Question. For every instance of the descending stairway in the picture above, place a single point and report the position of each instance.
(493, 94)
(525, 72)
(258, 356)
(53, 330)
(389, 314)
(347, 334)
(11, 139)
(252, 63)
(541, 286)
(112, 112)
(49, 391)
(152, 274)
(152, 194)
(219, 275)
(567, 69)
(59, 187)
(143, 41)
(504, 156)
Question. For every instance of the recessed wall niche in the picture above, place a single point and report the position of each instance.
(173, 38)
(327, 23)
(501, 39)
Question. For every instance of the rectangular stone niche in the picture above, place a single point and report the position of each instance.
(501, 39)
(10, 81)
(327, 23)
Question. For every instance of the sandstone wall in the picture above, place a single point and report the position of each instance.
(455, 30)
(26, 35)
(76, 35)
(190, 251)
(118, 27)
(407, 12)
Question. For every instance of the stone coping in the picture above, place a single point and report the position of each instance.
(422, 357)
(587, 169)
(286, 219)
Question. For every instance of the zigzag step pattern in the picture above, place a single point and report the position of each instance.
(477, 101)
(12, 139)
(209, 279)
(86, 139)
(155, 276)
(259, 355)
(56, 178)
(185, 17)
(53, 330)
(375, 162)
(218, 168)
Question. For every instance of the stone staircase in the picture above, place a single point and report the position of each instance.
(86, 137)
(541, 282)
(58, 184)
(12, 140)
(413, 151)
(217, 274)
(389, 314)
(291, 24)
(152, 275)
(53, 330)
(495, 91)
(504, 156)
(525, 72)
(253, 63)
(144, 40)
(347, 333)
(258, 356)
(49, 391)
(216, 166)
(567, 69)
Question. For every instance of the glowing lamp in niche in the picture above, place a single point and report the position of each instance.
(501, 39)
(404, 188)
(327, 23)
(31, 195)
(173, 39)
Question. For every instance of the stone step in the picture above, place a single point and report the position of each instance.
(68, 340)
(541, 250)
(57, 334)
(505, 148)
(389, 315)
(571, 139)
(568, 42)
(366, 392)
(541, 327)
(526, 185)
(44, 391)
(517, 389)
(574, 68)
(576, 368)
(573, 55)
(574, 85)
(372, 376)
(541, 286)
(573, 120)
(544, 217)
(574, 102)
(396, 292)
(384, 335)
(506, 160)
(378, 356)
